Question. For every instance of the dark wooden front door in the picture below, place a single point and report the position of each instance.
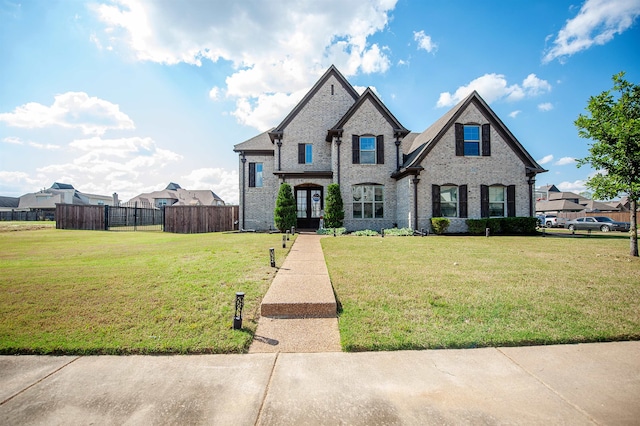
(309, 203)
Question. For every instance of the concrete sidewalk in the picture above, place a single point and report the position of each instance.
(564, 384)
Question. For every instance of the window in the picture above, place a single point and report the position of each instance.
(497, 201)
(368, 201)
(449, 201)
(368, 149)
(255, 175)
(471, 140)
(305, 153)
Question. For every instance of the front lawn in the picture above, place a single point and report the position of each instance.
(463, 291)
(96, 292)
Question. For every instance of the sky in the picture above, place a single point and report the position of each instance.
(127, 96)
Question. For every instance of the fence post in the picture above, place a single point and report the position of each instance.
(135, 216)
(106, 217)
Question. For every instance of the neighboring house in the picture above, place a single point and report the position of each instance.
(61, 193)
(558, 202)
(174, 195)
(543, 192)
(466, 165)
(9, 203)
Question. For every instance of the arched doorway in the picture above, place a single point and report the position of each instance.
(309, 205)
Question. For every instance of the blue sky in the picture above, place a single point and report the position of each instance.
(126, 96)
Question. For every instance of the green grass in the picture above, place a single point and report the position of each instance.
(460, 291)
(93, 292)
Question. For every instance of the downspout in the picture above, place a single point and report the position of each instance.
(279, 143)
(338, 142)
(244, 160)
(397, 151)
(532, 182)
(415, 181)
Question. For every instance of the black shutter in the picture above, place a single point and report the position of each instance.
(355, 149)
(301, 153)
(511, 201)
(435, 201)
(459, 139)
(252, 175)
(380, 149)
(486, 140)
(462, 200)
(484, 201)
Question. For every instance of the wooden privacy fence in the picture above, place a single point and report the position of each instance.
(176, 219)
(617, 216)
(69, 216)
(199, 219)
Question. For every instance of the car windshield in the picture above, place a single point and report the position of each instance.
(604, 219)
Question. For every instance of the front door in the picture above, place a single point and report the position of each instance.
(309, 203)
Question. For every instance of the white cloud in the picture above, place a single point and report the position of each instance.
(564, 161)
(546, 159)
(13, 140)
(70, 110)
(223, 182)
(277, 47)
(494, 87)
(514, 114)
(597, 22)
(425, 42)
(547, 106)
(214, 93)
(48, 146)
(576, 186)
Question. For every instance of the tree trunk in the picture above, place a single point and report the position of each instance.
(634, 228)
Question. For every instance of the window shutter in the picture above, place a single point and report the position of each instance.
(435, 201)
(355, 149)
(484, 201)
(301, 148)
(486, 140)
(252, 175)
(462, 200)
(380, 149)
(511, 201)
(459, 139)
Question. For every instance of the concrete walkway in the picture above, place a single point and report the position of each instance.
(564, 384)
(299, 311)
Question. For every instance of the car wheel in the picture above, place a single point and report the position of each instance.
(604, 228)
(572, 228)
(548, 224)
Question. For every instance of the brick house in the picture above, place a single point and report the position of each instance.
(466, 165)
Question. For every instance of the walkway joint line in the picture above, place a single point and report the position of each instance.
(266, 390)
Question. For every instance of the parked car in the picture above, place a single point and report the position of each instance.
(551, 221)
(597, 223)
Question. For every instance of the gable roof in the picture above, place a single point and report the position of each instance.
(9, 201)
(368, 94)
(332, 71)
(425, 142)
(548, 188)
(259, 143)
(58, 185)
(558, 206)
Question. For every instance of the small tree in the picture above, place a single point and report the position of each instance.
(614, 127)
(334, 210)
(284, 214)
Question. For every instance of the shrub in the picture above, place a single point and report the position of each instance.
(503, 225)
(329, 231)
(440, 225)
(366, 233)
(284, 214)
(334, 210)
(399, 232)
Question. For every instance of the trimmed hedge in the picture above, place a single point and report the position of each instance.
(503, 225)
(440, 225)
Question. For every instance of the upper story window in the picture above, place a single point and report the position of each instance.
(368, 149)
(368, 201)
(471, 140)
(255, 175)
(305, 153)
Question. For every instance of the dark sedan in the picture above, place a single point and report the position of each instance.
(597, 223)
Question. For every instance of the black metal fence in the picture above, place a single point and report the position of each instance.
(27, 215)
(136, 216)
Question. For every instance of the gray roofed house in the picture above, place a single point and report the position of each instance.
(174, 195)
(467, 164)
(61, 193)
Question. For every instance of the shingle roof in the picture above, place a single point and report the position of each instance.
(9, 201)
(558, 206)
(262, 142)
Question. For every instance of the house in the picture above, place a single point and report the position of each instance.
(174, 195)
(557, 202)
(466, 165)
